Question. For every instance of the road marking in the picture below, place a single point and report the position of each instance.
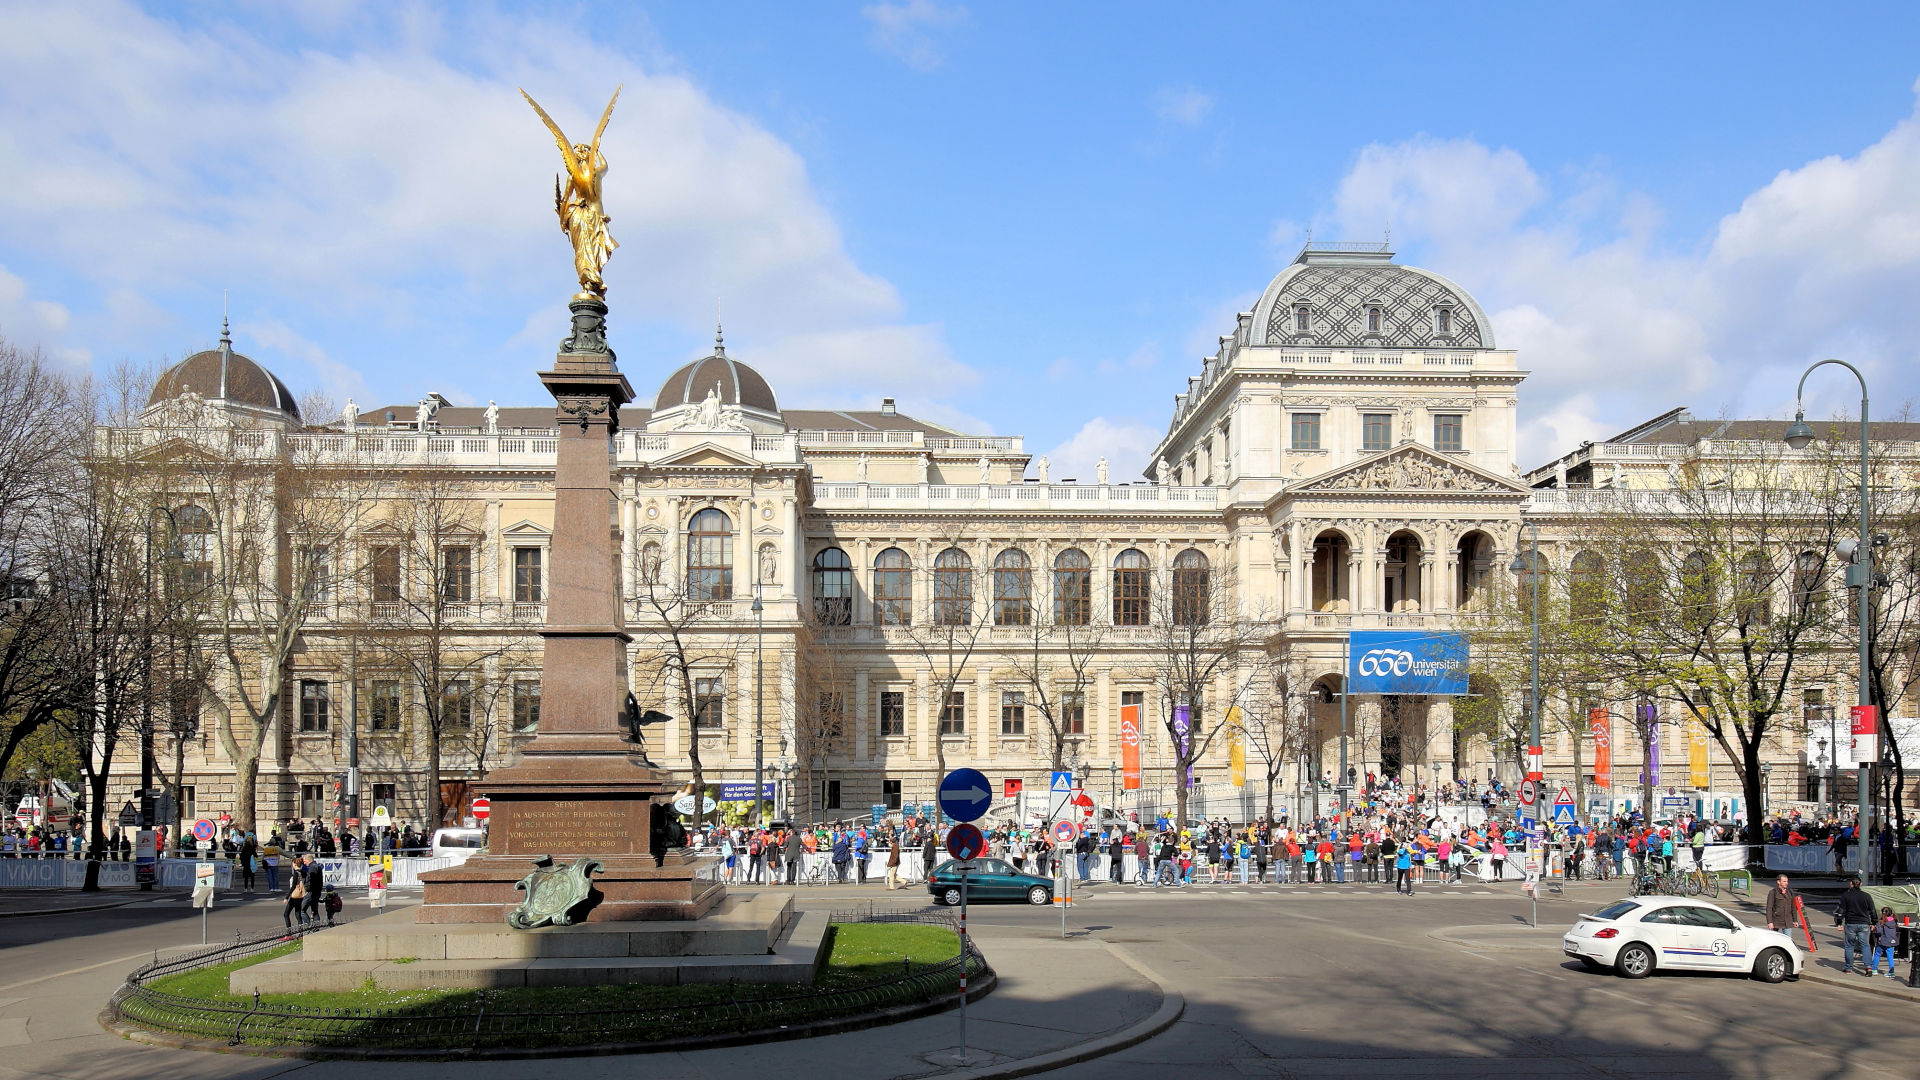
(75, 971)
(1542, 974)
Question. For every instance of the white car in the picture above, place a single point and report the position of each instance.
(458, 844)
(1639, 935)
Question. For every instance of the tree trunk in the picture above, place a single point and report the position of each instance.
(436, 812)
(97, 796)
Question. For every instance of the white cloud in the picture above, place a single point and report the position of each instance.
(26, 322)
(907, 29)
(401, 180)
(1126, 444)
(1183, 105)
(1617, 327)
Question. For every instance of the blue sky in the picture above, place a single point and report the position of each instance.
(1013, 217)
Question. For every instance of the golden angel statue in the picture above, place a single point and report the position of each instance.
(582, 217)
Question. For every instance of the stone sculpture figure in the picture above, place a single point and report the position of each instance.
(582, 217)
(351, 415)
(1100, 470)
(769, 564)
(986, 470)
(493, 417)
(860, 469)
(1041, 468)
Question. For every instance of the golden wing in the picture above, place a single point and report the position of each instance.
(574, 166)
(606, 116)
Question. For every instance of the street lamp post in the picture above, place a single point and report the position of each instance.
(1821, 773)
(1860, 577)
(759, 706)
(1529, 565)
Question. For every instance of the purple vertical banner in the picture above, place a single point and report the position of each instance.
(1650, 716)
(1183, 733)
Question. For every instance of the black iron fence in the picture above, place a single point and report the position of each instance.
(481, 1019)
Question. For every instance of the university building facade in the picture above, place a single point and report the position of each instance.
(861, 596)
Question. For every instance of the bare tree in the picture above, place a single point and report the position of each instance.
(1276, 720)
(1055, 659)
(822, 680)
(943, 622)
(1202, 641)
(423, 622)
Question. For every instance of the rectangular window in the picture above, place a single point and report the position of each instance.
(318, 568)
(456, 706)
(1376, 431)
(385, 564)
(831, 709)
(830, 794)
(1073, 713)
(1306, 431)
(710, 702)
(189, 804)
(313, 705)
(383, 796)
(893, 712)
(526, 704)
(456, 575)
(953, 715)
(527, 585)
(891, 790)
(383, 705)
(313, 801)
(1449, 431)
(1013, 712)
(1136, 698)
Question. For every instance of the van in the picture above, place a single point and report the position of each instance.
(457, 844)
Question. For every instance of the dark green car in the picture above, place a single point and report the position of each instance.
(988, 879)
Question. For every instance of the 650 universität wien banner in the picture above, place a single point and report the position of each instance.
(1407, 662)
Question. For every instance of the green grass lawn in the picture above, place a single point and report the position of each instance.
(861, 953)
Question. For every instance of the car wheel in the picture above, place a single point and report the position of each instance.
(950, 897)
(1038, 896)
(1772, 966)
(1634, 962)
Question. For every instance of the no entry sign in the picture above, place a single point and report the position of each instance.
(482, 806)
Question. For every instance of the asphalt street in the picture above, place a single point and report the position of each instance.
(1312, 981)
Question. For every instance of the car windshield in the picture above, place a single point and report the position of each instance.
(1616, 909)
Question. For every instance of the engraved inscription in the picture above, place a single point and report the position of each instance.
(588, 828)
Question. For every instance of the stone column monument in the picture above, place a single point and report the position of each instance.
(583, 788)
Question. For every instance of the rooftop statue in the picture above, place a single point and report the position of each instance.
(582, 217)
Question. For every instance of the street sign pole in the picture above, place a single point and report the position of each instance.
(964, 797)
(963, 964)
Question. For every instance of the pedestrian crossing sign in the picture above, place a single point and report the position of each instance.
(1563, 814)
(1062, 783)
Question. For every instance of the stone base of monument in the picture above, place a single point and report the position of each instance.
(754, 938)
(627, 888)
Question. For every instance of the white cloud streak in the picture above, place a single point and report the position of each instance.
(1182, 105)
(908, 29)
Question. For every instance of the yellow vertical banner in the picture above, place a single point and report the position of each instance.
(1236, 750)
(1699, 775)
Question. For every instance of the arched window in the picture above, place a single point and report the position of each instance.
(1640, 584)
(833, 588)
(1586, 592)
(1012, 589)
(1755, 605)
(1131, 589)
(1699, 587)
(709, 556)
(1809, 586)
(1072, 588)
(892, 588)
(1190, 588)
(952, 588)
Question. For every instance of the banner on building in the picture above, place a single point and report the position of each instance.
(1698, 772)
(1183, 737)
(1407, 662)
(1600, 723)
(1130, 747)
(1236, 750)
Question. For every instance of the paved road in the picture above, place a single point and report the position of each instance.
(1329, 981)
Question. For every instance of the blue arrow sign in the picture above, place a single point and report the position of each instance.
(965, 795)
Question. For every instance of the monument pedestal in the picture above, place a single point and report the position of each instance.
(580, 789)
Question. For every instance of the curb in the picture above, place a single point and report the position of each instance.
(1850, 982)
(835, 1026)
(1173, 1005)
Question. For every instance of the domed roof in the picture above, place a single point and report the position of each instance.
(224, 375)
(1354, 296)
(735, 382)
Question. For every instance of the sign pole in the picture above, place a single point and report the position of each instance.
(963, 963)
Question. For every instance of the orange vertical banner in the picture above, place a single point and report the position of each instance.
(1600, 722)
(1130, 747)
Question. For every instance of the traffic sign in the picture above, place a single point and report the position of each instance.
(1563, 814)
(964, 841)
(1062, 783)
(482, 806)
(128, 815)
(1064, 833)
(203, 830)
(964, 795)
(1527, 793)
(381, 817)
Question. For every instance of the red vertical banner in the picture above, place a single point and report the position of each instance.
(1600, 723)
(1130, 747)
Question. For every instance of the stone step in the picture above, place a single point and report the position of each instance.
(793, 960)
(740, 926)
